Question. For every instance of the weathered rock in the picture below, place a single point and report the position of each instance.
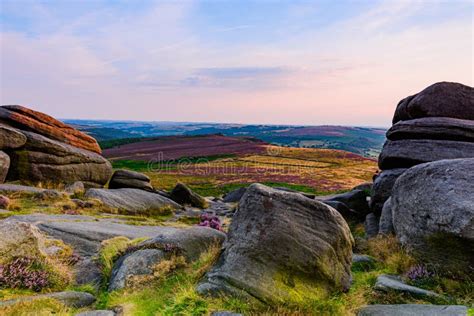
(371, 225)
(133, 200)
(433, 213)
(87, 271)
(355, 200)
(75, 188)
(11, 137)
(190, 242)
(234, 196)
(23, 189)
(4, 166)
(102, 312)
(382, 188)
(410, 152)
(442, 99)
(130, 179)
(183, 195)
(385, 222)
(138, 263)
(443, 128)
(20, 240)
(30, 120)
(4, 201)
(389, 283)
(46, 160)
(413, 310)
(281, 245)
(68, 298)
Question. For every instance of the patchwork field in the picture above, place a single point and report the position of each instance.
(215, 164)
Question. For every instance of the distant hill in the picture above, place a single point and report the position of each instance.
(366, 141)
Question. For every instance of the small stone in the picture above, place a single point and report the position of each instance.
(388, 283)
(75, 188)
(4, 201)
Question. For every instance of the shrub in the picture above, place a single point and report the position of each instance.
(24, 273)
(212, 221)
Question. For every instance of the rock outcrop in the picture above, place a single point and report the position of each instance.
(130, 179)
(11, 137)
(280, 246)
(434, 124)
(433, 213)
(42, 159)
(43, 149)
(34, 121)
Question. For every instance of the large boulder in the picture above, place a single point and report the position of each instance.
(189, 243)
(133, 201)
(30, 120)
(138, 263)
(130, 179)
(433, 213)
(11, 137)
(282, 247)
(42, 159)
(442, 99)
(443, 128)
(382, 188)
(185, 196)
(4, 166)
(410, 152)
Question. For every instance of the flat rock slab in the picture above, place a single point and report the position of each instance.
(68, 298)
(413, 310)
(393, 283)
(14, 188)
(132, 200)
(85, 233)
(410, 152)
(433, 128)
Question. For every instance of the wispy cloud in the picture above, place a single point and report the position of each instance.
(309, 62)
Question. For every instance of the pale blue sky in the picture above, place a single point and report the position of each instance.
(291, 62)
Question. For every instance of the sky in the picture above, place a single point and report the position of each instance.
(236, 61)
